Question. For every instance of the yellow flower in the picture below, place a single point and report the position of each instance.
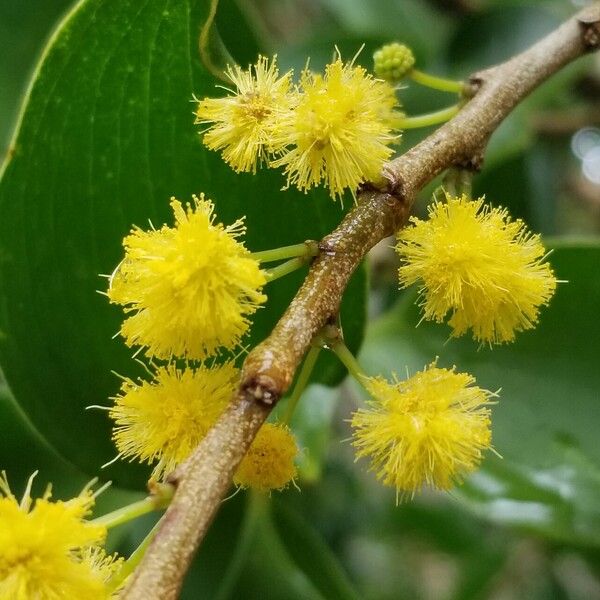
(429, 430)
(243, 123)
(473, 262)
(269, 463)
(164, 420)
(339, 131)
(48, 550)
(191, 287)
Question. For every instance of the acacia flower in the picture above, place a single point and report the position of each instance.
(269, 462)
(243, 123)
(164, 420)
(339, 131)
(474, 262)
(48, 550)
(190, 287)
(429, 430)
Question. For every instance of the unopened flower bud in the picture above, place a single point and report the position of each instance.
(393, 61)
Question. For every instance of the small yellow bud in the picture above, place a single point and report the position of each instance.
(269, 462)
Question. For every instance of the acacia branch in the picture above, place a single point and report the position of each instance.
(205, 477)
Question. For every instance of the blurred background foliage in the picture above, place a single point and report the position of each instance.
(524, 526)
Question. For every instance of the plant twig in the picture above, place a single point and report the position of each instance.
(205, 477)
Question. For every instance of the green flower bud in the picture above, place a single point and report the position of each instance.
(393, 61)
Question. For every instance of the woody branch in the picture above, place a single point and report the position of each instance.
(205, 477)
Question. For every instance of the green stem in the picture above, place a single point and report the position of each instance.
(458, 181)
(132, 562)
(158, 500)
(285, 268)
(302, 381)
(307, 249)
(436, 83)
(348, 360)
(428, 119)
(256, 507)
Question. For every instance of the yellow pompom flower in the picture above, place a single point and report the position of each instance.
(243, 123)
(340, 130)
(164, 420)
(474, 262)
(269, 462)
(48, 550)
(190, 287)
(429, 430)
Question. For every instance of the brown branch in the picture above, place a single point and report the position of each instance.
(204, 479)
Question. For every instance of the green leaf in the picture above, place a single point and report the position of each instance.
(480, 40)
(23, 28)
(311, 424)
(106, 137)
(545, 424)
(311, 553)
(269, 561)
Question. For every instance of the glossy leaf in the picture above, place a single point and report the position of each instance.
(106, 137)
(311, 553)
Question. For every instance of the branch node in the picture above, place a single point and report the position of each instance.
(261, 390)
(473, 163)
(590, 24)
(327, 248)
(473, 85)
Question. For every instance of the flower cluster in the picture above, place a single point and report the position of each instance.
(429, 430)
(49, 550)
(190, 288)
(474, 262)
(246, 121)
(334, 127)
(164, 420)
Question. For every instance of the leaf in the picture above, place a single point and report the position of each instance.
(311, 553)
(545, 424)
(23, 29)
(269, 561)
(311, 424)
(104, 140)
(481, 40)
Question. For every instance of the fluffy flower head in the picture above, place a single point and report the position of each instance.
(190, 287)
(269, 463)
(243, 123)
(340, 130)
(164, 420)
(473, 262)
(48, 550)
(429, 430)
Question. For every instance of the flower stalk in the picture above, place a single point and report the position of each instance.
(160, 497)
(306, 249)
(437, 83)
(428, 119)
